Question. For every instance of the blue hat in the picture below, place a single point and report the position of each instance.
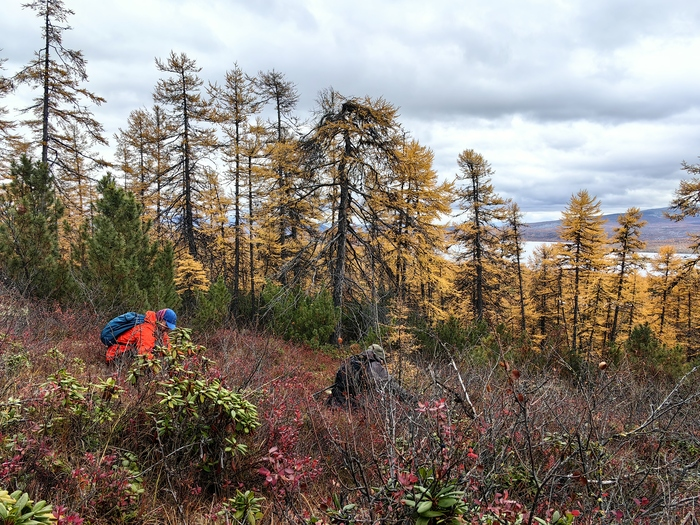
(167, 316)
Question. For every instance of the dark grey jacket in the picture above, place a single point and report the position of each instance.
(361, 374)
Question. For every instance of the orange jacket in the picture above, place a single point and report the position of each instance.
(142, 338)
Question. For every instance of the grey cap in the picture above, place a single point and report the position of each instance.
(378, 351)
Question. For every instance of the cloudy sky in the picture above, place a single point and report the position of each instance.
(558, 95)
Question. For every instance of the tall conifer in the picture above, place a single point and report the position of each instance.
(545, 299)
(512, 244)
(410, 212)
(190, 113)
(477, 235)
(9, 140)
(29, 214)
(665, 275)
(626, 243)
(275, 90)
(352, 153)
(234, 104)
(124, 269)
(583, 250)
(686, 203)
(58, 74)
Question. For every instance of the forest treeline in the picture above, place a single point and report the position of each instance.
(224, 202)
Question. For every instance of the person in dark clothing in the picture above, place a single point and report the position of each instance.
(361, 374)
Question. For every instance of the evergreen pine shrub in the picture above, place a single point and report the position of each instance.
(438, 339)
(297, 316)
(213, 306)
(453, 333)
(649, 355)
(363, 321)
(161, 288)
(123, 270)
(29, 216)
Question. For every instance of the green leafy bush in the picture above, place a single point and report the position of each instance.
(99, 443)
(197, 418)
(453, 338)
(243, 509)
(441, 503)
(18, 509)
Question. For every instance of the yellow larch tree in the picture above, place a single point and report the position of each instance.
(543, 287)
(352, 154)
(10, 142)
(144, 155)
(664, 277)
(413, 233)
(193, 139)
(477, 235)
(134, 146)
(511, 280)
(214, 230)
(282, 95)
(686, 202)
(253, 153)
(687, 313)
(583, 254)
(190, 278)
(626, 243)
(234, 103)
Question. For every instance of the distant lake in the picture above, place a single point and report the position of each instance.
(529, 249)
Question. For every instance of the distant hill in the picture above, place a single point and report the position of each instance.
(659, 231)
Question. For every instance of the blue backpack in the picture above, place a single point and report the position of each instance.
(119, 325)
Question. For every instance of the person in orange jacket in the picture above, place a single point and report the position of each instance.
(143, 338)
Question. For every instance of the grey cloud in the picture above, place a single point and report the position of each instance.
(546, 91)
(613, 24)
